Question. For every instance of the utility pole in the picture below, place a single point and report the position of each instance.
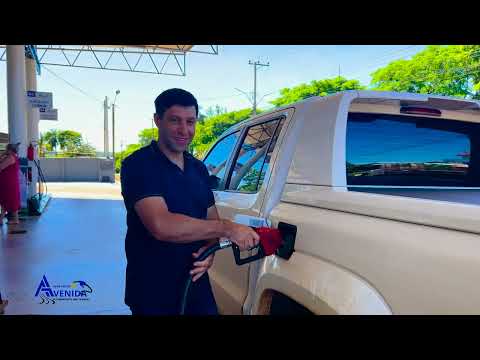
(113, 132)
(105, 127)
(151, 133)
(255, 65)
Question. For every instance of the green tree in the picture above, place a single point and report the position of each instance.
(51, 138)
(120, 156)
(147, 135)
(215, 110)
(69, 139)
(210, 111)
(251, 180)
(81, 149)
(315, 88)
(474, 51)
(211, 128)
(42, 145)
(71, 142)
(452, 70)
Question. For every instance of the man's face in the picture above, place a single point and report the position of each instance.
(177, 127)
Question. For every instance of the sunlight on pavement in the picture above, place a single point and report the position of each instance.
(85, 190)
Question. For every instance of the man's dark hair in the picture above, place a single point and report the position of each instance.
(172, 97)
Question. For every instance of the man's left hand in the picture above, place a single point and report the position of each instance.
(201, 267)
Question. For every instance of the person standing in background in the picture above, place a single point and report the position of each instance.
(10, 184)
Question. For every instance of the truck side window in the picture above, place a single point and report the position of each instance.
(253, 159)
(395, 150)
(217, 158)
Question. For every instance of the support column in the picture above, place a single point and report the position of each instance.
(16, 94)
(33, 118)
(105, 127)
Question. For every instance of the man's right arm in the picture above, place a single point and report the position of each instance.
(167, 226)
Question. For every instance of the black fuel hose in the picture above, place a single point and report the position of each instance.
(217, 246)
(42, 177)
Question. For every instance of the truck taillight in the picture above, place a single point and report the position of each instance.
(417, 110)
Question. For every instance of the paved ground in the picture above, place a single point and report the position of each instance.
(80, 237)
(85, 190)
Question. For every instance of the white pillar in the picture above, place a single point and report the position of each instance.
(105, 127)
(33, 118)
(16, 94)
(33, 115)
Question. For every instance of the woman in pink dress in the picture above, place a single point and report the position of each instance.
(10, 184)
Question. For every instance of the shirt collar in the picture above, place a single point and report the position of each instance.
(187, 157)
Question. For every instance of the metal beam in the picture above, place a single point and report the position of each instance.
(157, 55)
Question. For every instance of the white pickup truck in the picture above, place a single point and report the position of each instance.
(380, 193)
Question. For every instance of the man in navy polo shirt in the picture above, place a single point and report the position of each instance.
(171, 216)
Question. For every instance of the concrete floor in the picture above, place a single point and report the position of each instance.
(80, 236)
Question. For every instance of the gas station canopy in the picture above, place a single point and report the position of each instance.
(150, 59)
(24, 62)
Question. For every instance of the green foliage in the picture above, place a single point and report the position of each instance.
(211, 128)
(147, 135)
(69, 139)
(43, 145)
(79, 150)
(120, 156)
(250, 181)
(70, 142)
(474, 52)
(215, 110)
(315, 88)
(452, 70)
(51, 138)
(211, 111)
(446, 70)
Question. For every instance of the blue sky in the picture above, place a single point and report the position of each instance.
(211, 78)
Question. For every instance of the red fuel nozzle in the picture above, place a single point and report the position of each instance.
(270, 239)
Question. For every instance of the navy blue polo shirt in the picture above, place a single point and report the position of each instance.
(157, 270)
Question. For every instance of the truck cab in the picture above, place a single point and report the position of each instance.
(373, 183)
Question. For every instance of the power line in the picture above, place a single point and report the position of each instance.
(422, 75)
(382, 58)
(386, 55)
(376, 64)
(389, 61)
(219, 97)
(379, 64)
(73, 86)
(463, 71)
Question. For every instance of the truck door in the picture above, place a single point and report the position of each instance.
(242, 191)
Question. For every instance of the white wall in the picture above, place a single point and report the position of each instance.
(77, 169)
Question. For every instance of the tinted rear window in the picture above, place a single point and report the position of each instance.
(396, 150)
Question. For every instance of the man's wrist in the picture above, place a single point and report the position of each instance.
(225, 228)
